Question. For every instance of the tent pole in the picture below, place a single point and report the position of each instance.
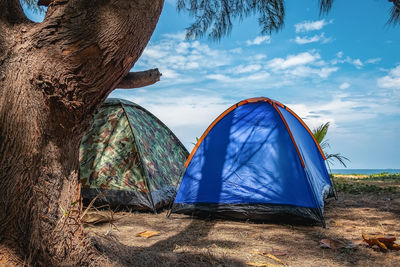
(176, 192)
(323, 223)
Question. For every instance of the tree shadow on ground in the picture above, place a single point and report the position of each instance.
(195, 243)
(172, 251)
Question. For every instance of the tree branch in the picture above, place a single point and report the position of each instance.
(139, 79)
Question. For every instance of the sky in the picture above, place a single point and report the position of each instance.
(343, 68)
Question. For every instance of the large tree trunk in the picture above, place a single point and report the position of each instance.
(53, 76)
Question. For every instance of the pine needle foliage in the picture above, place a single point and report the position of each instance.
(214, 17)
(325, 6)
(394, 18)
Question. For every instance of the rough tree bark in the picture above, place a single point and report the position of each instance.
(53, 77)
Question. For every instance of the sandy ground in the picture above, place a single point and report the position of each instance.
(185, 241)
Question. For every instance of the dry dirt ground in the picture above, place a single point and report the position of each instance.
(185, 241)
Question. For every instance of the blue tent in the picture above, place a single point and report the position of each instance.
(257, 160)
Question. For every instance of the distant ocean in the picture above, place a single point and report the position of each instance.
(364, 171)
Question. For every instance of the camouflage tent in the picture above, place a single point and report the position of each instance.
(130, 157)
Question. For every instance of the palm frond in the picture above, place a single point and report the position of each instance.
(324, 145)
(320, 133)
(338, 157)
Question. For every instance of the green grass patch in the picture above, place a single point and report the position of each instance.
(359, 188)
(384, 176)
(375, 183)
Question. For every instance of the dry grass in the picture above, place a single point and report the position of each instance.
(185, 241)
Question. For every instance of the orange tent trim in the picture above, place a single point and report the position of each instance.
(304, 125)
(254, 100)
(290, 134)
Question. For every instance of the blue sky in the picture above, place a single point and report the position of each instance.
(343, 68)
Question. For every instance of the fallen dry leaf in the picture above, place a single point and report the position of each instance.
(147, 234)
(332, 244)
(385, 242)
(386, 239)
(273, 257)
(262, 264)
(3, 259)
(380, 240)
(265, 254)
(395, 247)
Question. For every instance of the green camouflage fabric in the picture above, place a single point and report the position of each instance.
(162, 153)
(108, 155)
(128, 148)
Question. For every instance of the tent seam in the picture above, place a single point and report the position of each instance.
(303, 163)
(140, 157)
(304, 125)
(291, 135)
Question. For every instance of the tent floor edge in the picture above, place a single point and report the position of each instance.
(117, 198)
(284, 214)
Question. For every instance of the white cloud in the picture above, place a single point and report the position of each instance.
(306, 64)
(178, 59)
(340, 60)
(238, 50)
(307, 40)
(392, 80)
(340, 110)
(293, 60)
(259, 40)
(373, 60)
(356, 62)
(344, 85)
(184, 61)
(307, 26)
(260, 76)
(259, 57)
(352, 117)
(218, 77)
(177, 35)
(316, 38)
(246, 68)
(303, 71)
(180, 111)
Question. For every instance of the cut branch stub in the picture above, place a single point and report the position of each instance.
(139, 79)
